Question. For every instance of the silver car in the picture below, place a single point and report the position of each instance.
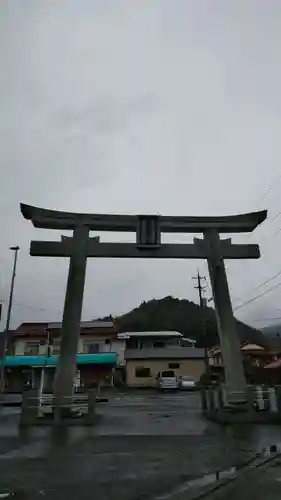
(187, 383)
(167, 381)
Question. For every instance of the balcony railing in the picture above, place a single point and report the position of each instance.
(48, 350)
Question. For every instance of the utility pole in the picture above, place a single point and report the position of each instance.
(201, 288)
(8, 320)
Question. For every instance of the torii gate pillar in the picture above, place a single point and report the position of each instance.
(66, 368)
(226, 323)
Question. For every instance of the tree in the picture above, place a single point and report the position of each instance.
(183, 316)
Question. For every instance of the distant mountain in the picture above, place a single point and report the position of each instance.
(183, 316)
(272, 330)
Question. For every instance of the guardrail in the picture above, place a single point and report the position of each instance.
(79, 401)
(37, 407)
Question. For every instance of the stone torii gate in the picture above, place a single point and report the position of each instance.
(148, 229)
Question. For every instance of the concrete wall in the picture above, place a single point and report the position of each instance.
(119, 347)
(193, 367)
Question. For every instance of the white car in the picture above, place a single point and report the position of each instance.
(187, 383)
(167, 380)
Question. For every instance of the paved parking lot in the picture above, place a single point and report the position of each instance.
(144, 444)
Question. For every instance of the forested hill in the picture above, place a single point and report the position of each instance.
(183, 316)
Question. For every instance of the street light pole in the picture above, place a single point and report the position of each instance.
(8, 320)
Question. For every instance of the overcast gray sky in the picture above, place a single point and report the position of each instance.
(130, 106)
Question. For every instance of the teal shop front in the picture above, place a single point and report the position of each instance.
(26, 371)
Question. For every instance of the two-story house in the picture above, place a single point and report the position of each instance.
(33, 348)
(149, 353)
(103, 356)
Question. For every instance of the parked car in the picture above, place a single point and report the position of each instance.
(167, 380)
(187, 383)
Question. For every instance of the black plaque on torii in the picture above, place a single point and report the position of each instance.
(148, 230)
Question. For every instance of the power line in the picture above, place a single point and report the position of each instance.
(277, 231)
(261, 199)
(26, 306)
(276, 216)
(266, 193)
(257, 296)
(264, 282)
(279, 228)
(267, 225)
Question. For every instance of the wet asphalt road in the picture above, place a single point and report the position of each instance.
(143, 445)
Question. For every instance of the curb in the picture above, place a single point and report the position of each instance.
(193, 490)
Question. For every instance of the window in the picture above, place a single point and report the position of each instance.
(142, 372)
(174, 366)
(91, 347)
(159, 343)
(31, 348)
(56, 346)
(168, 374)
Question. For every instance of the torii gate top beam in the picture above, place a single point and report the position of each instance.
(55, 219)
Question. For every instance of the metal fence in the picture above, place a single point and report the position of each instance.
(78, 402)
(36, 406)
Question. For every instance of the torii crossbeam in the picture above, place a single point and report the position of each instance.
(148, 229)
